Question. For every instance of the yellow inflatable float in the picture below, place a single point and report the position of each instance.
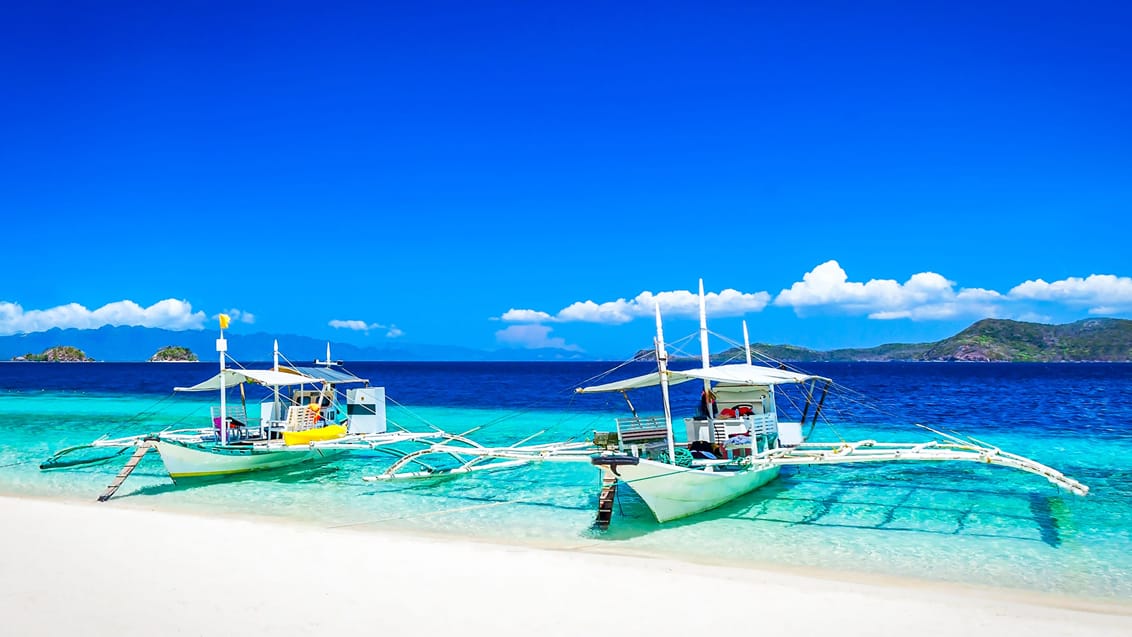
(329, 432)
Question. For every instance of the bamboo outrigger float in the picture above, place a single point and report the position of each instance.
(731, 449)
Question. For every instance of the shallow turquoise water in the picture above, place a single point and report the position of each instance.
(960, 523)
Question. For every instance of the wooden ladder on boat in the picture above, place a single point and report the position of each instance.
(605, 501)
(131, 464)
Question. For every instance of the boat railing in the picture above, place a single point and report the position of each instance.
(235, 413)
(301, 418)
(762, 424)
(239, 425)
(637, 431)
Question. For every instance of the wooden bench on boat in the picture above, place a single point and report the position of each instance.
(237, 421)
(300, 418)
(639, 432)
(725, 431)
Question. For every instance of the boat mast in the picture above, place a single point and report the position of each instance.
(754, 435)
(276, 408)
(705, 356)
(747, 342)
(221, 348)
(662, 368)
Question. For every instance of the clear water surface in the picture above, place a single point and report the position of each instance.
(951, 522)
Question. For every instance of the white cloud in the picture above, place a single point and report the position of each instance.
(392, 331)
(360, 326)
(238, 316)
(924, 296)
(170, 314)
(532, 337)
(1101, 293)
(676, 303)
(525, 316)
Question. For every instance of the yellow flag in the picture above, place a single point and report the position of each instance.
(224, 319)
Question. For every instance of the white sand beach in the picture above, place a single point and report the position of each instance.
(77, 568)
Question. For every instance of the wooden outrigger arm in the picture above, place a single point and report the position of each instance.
(812, 453)
(476, 457)
(808, 453)
(57, 461)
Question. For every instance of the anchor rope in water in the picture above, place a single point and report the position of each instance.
(139, 415)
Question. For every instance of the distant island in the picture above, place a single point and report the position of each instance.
(988, 340)
(174, 354)
(57, 354)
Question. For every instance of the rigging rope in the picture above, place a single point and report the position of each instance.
(139, 415)
(857, 398)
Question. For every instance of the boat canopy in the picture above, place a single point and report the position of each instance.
(332, 376)
(266, 377)
(737, 374)
(743, 374)
(636, 382)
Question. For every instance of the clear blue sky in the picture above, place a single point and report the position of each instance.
(423, 168)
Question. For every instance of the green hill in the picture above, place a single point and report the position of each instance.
(1004, 340)
(1108, 340)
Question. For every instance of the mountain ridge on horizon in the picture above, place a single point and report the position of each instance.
(1094, 339)
(988, 340)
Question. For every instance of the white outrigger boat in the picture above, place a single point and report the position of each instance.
(303, 420)
(731, 450)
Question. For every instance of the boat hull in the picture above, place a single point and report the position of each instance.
(673, 492)
(196, 460)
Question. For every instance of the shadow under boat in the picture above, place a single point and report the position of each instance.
(314, 470)
(787, 503)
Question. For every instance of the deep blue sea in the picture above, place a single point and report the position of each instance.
(952, 522)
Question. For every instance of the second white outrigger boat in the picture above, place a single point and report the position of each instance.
(731, 449)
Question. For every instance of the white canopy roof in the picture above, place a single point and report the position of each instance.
(267, 377)
(743, 374)
(636, 382)
(738, 374)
